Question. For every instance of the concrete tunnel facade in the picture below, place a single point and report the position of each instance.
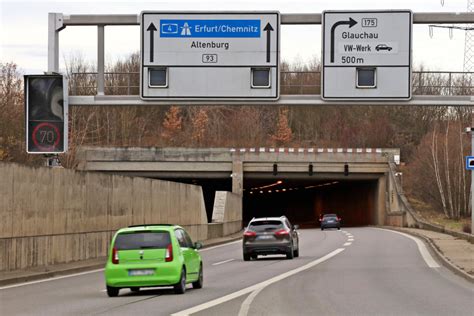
(298, 183)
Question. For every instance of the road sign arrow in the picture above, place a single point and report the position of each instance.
(152, 29)
(268, 28)
(351, 22)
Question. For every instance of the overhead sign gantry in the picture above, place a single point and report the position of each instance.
(367, 55)
(218, 55)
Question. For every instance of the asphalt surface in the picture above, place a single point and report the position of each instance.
(355, 271)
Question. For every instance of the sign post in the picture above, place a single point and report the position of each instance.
(221, 55)
(366, 55)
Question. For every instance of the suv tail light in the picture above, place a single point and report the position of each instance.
(250, 233)
(339, 219)
(115, 256)
(169, 253)
(282, 232)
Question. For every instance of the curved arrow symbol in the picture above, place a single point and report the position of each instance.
(268, 28)
(152, 29)
(351, 22)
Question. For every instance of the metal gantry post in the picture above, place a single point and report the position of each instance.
(100, 60)
(472, 174)
(55, 24)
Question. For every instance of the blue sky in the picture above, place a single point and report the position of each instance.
(23, 29)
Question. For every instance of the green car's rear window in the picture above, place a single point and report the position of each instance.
(142, 240)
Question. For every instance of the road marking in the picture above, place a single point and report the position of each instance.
(244, 308)
(222, 262)
(50, 279)
(350, 239)
(257, 286)
(347, 244)
(219, 246)
(421, 247)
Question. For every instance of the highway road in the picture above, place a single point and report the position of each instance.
(355, 271)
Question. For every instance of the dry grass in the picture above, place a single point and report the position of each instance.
(426, 212)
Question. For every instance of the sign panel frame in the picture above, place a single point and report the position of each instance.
(382, 70)
(210, 63)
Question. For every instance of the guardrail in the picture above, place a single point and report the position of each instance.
(445, 83)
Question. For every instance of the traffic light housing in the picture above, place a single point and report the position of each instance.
(310, 169)
(275, 169)
(46, 114)
(346, 169)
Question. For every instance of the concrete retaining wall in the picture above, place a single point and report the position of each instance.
(50, 216)
(228, 211)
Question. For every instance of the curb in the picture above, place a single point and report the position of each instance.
(440, 256)
(66, 271)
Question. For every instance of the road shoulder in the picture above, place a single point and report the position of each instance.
(454, 253)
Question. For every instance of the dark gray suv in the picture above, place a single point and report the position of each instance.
(270, 235)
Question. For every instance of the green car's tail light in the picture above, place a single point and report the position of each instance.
(169, 253)
(115, 256)
(250, 233)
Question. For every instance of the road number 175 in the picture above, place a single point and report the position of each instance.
(369, 22)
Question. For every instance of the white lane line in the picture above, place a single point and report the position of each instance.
(347, 244)
(222, 262)
(350, 239)
(421, 247)
(219, 246)
(50, 279)
(257, 286)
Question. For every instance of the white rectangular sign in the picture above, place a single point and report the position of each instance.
(210, 55)
(367, 55)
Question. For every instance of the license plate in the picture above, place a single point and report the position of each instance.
(265, 237)
(330, 221)
(141, 272)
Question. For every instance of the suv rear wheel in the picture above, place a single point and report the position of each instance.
(290, 253)
(246, 257)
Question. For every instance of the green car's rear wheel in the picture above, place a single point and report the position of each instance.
(198, 284)
(112, 291)
(180, 288)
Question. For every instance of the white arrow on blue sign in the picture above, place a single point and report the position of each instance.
(470, 162)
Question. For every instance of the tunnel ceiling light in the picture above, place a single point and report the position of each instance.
(269, 191)
(268, 186)
(284, 190)
(251, 192)
(261, 191)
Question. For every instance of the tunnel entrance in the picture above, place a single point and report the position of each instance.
(302, 201)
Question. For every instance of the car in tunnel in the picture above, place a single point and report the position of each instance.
(330, 221)
(153, 255)
(270, 235)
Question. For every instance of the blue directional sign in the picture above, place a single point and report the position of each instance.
(470, 162)
(210, 28)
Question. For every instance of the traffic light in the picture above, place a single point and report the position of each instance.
(310, 169)
(346, 169)
(46, 113)
(275, 169)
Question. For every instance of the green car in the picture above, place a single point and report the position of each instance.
(153, 255)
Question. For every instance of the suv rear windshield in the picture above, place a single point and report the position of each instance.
(142, 240)
(264, 226)
(329, 215)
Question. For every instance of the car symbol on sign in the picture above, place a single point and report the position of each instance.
(380, 47)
